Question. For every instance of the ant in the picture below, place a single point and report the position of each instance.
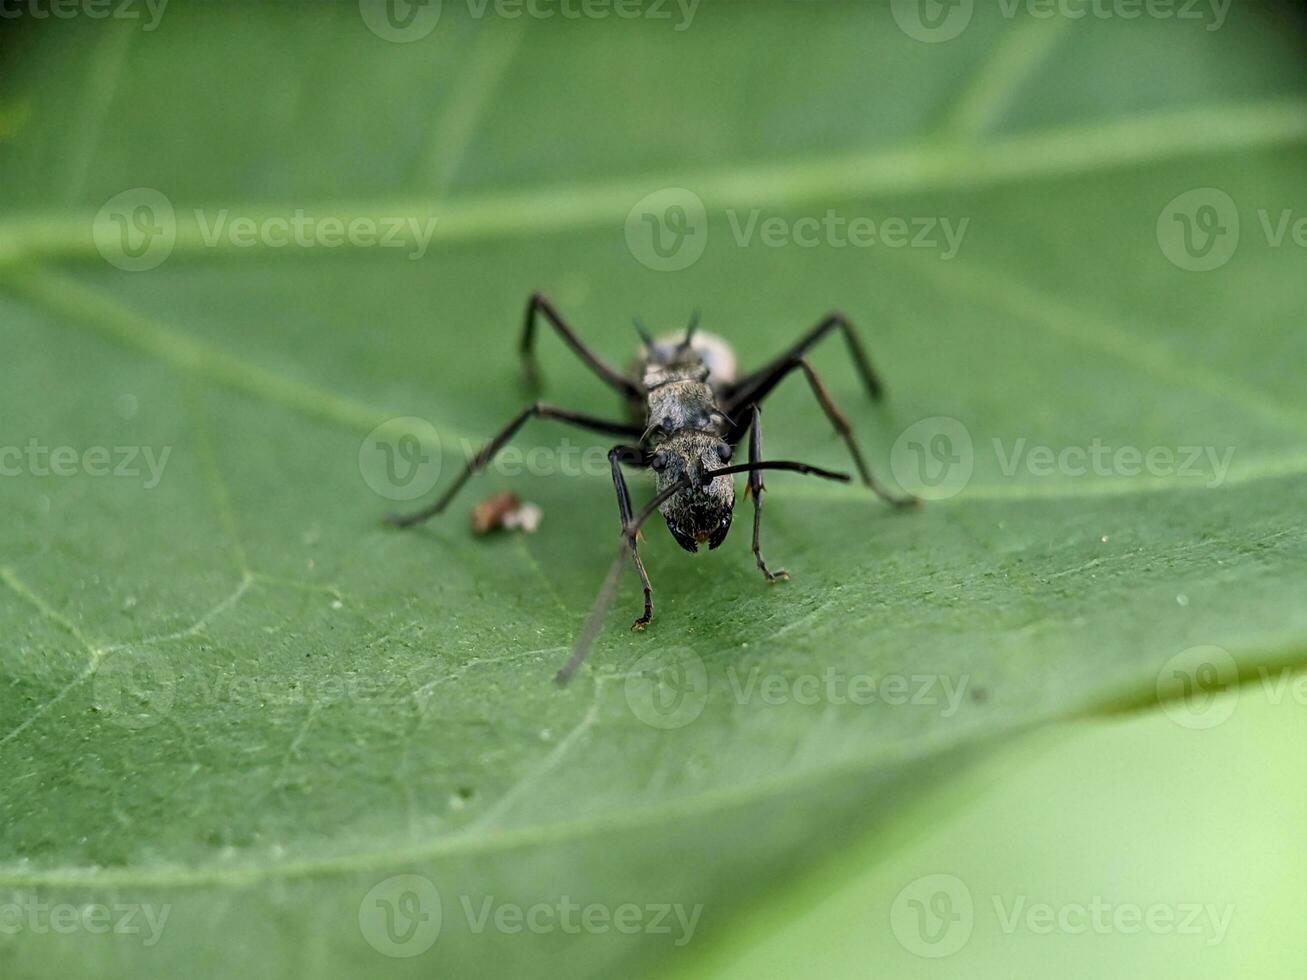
(693, 409)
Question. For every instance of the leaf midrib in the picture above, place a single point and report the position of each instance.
(939, 164)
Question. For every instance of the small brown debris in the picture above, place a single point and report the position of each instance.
(505, 510)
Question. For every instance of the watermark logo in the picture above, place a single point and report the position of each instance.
(400, 21)
(133, 689)
(400, 459)
(400, 917)
(933, 459)
(1199, 230)
(136, 230)
(933, 916)
(1197, 688)
(668, 689)
(933, 21)
(667, 231)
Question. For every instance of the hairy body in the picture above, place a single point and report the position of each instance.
(682, 378)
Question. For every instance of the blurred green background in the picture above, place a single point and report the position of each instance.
(262, 269)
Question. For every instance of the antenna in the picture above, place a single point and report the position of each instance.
(645, 338)
(689, 330)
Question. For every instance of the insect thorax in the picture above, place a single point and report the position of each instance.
(681, 404)
(682, 384)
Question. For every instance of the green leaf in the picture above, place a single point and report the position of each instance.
(231, 697)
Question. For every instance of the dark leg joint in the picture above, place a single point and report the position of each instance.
(540, 304)
(635, 456)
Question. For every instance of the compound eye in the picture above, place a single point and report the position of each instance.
(724, 453)
(659, 462)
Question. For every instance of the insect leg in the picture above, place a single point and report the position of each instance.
(636, 456)
(756, 488)
(539, 303)
(487, 453)
(741, 391)
(837, 419)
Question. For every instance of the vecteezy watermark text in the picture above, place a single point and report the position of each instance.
(667, 230)
(935, 915)
(403, 916)
(137, 230)
(669, 688)
(1100, 459)
(936, 21)
(1101, 917)
(680, 11)
(138, 689)
(1212, 13)
(25, 913)
(124, 462)
(935, 458)
(839, 687)
(572, 918)
(300, 229)
(149, 11)
(406, 21)
(835, 230)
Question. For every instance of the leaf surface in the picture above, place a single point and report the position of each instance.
(235, 695)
